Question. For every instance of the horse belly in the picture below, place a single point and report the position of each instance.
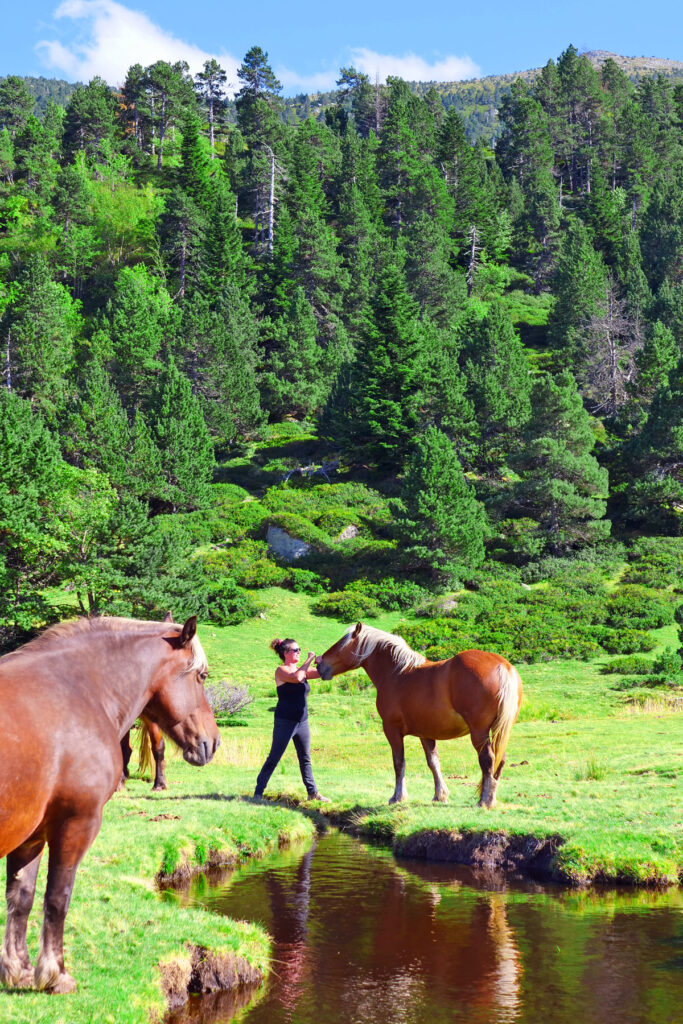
(447, 726)
(23, 800)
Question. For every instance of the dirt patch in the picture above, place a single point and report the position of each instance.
(493, 851)
(202, 971)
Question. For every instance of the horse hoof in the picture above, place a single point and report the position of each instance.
(63, 985)
(443, 799)
(158, 789)
(22, 979)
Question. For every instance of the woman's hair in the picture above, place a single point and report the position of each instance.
(280, 646)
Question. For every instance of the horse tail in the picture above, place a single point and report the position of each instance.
(145, 758)
(509, 694)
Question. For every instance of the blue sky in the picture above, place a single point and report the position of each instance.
(307, 42)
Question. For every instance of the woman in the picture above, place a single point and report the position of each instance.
(291, 715)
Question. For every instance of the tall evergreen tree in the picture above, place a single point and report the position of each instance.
(439, 520)
(561, 485)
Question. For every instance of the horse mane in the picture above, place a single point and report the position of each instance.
(369, 639)
(72, 628)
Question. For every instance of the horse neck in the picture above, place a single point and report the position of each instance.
(378, 666)
(126, 690)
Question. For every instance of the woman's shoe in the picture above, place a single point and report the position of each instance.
(320, 797)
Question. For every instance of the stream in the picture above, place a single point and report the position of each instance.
(361, 937)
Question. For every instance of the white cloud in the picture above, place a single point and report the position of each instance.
(413, 68)
(322, 81)
(113, 37)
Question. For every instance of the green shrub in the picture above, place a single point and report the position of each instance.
(247, 563)
(391, 594)
(624, 640)
(630, 664)
(640, 607)
(228, 604)
(302, 581)
(668, 664)
(335, 520)
(346, 605)
(656, 562)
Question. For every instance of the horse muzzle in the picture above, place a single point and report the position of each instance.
(202, 752)
(324, 671)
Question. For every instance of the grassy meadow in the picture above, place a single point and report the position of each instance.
(584, 763)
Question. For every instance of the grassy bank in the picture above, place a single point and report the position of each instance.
(585, 765)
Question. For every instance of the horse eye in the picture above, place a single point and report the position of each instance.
(202, 676)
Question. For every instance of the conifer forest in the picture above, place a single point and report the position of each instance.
(437, 360)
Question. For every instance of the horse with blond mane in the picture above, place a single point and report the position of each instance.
(80, 686)
(475, 692)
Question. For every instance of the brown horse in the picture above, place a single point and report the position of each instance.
(475, 692)
(152, 748)
(80, 685)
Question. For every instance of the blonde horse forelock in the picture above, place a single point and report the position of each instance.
(199, 662)
(369, 639)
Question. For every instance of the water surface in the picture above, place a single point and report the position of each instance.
(363, 938)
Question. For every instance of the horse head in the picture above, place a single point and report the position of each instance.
(178, 703)
(340, 657)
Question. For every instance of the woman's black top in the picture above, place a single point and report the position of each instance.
(291, 701)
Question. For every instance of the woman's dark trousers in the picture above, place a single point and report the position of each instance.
(283, 732)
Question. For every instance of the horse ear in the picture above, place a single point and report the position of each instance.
(168, 617)
(359, 626)
(188, 631)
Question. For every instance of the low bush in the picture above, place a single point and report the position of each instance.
(227, 699)
(630, 664)
(247, 563)
(656, 562)
(624, 640)
(391, 594)
(640, 607)
(228, 604)
(302, 581)
(335, 520)
(346, 605)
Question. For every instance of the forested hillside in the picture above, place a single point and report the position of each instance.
(473, 358)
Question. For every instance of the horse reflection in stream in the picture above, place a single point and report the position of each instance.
(475, 692)
(359, 938)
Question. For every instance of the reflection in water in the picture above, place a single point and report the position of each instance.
(360, 938)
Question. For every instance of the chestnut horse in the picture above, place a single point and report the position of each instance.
(152, 747)
(475, 692)
(81, 685)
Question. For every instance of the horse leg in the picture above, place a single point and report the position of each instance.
(398, 754)
(22, 869)
(126, 751)
(67, 846)
(440, 787)
(487, 787)
(158, 748)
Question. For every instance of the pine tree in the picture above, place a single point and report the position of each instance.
(91, 120)
(28, 480)
(43, 325)
(292, 381)
(141, 324)
(210, 83)
(16, 104)
(498, 382)
(373, 408)
(561, 485)
(656, 491)
(439, 520)
(180, 433)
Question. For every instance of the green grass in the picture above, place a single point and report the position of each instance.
(583, 763)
